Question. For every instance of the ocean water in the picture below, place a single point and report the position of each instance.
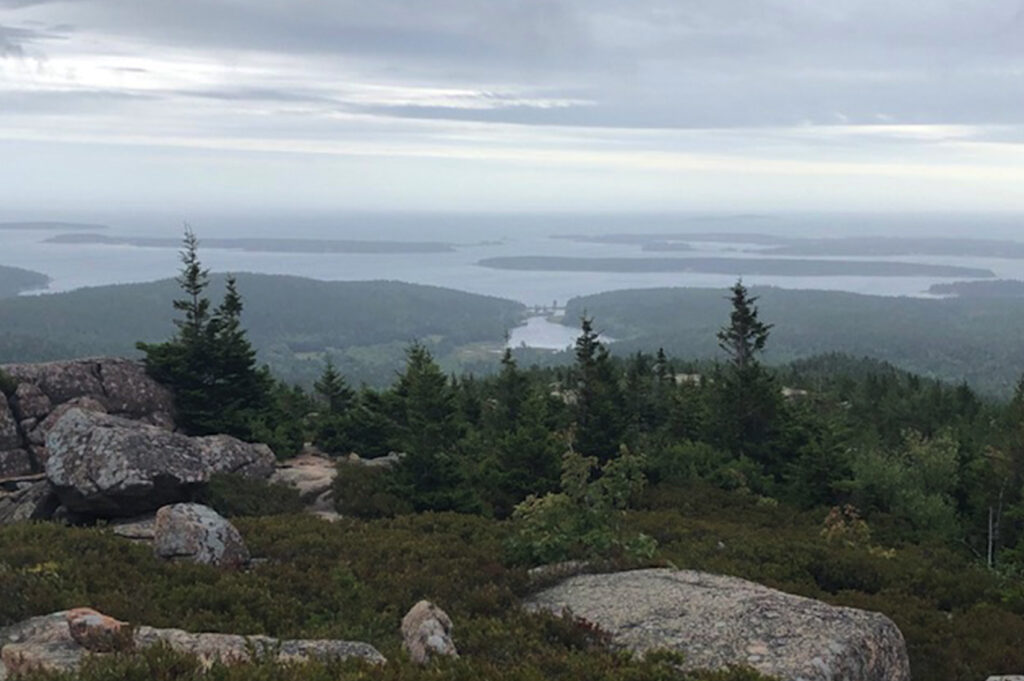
(477, 237)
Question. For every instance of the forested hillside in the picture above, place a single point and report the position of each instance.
(291, 320)
(14, 280)
(974, 340)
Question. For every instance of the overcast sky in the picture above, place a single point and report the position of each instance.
(513, 104)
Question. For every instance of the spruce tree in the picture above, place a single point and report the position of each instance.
(209, 364)
(750, 404)
(427, 415)
(600, 414)
(332, 388)
(745, 336)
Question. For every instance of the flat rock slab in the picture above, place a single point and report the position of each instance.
(309, 474)
(718, 621)
(46, 643)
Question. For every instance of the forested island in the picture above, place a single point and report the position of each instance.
(15, 280)
(768, 244)
(999, 288)
(780, 267)
(48, 226)
(273, 245)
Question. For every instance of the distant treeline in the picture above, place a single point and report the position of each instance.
(292, 321)
(977, 340)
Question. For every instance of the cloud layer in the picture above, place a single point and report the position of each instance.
(692, 93)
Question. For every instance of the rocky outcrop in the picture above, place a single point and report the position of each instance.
(27, 501)
(44, 392)
(97, 632)
(719, 621)
(312, 476)
(15, 463)
(48, 643)
(121, 385)
(427, 633)
(14, 457)
(198, 534)
(105, 466)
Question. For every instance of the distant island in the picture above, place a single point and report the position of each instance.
(998, 288)
(670, 237)
(260, 245)
(861, 246)
(897, 246)
(735, 266)
(48, 226)
(15, 280)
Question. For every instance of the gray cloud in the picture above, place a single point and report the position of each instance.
(643, 63)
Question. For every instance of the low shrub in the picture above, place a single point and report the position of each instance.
(235, 495)
(367, 492)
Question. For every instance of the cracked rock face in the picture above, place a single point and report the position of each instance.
(110, 467)
(719, 621)
(121, 385)
(198, 534)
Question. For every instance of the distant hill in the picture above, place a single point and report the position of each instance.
(980, 340)
(292, 321)
(14, 280)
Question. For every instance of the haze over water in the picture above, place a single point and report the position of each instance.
(478, 236)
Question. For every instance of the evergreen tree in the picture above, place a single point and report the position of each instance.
(750, 404)
(428, 425)
(209, 363)
(332, 388)
(600, 413)
(512, 389)
(745, 336)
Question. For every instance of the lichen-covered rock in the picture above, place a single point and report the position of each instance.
(106, 466)
(141, 529)
(30, 402)
(47, 643)
(9, 438)
(31, 501)
(426, 633)
(719, 621)
(197, 533)
(16, 462)
(98, 633)
(232, 648)
(41, 643)
(121, 385)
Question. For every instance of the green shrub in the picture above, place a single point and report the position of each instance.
(367, 492)
(234, 495)
(585, 519)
